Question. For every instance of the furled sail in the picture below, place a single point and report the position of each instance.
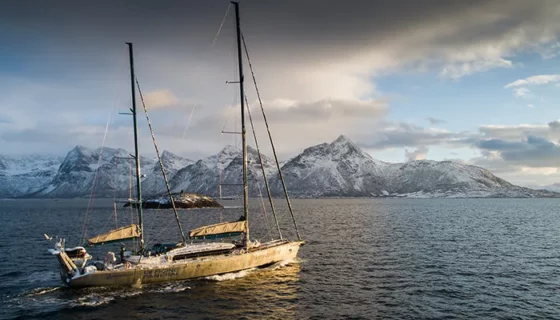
(223, 229)
(129, 232)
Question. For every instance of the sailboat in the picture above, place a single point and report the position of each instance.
(187, 259)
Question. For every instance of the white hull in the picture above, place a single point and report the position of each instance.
(237, 260)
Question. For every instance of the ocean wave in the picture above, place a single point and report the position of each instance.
(93, 300)
(229, 276)
(41, 276)
(172, 288)
(42, 291)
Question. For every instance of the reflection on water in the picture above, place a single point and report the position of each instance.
(269, 293)
(259, 293)
(364, 259)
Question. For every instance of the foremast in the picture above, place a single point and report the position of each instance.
(136, 153)
(243, 130)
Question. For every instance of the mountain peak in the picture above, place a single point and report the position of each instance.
(168, 154)
(236, 151)
(80, 148)
(229, 149)
(342, 139)
(343, 145)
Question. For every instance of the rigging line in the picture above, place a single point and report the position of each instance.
(92, 198)
(221, 25)
(130, 174)
(220, 170)
(263, 169)
(229, 114)
(267, 222)
(131, 210)
(188, 122)
(154, 238)
(161, 164)
(113, 214)
(198, 77)
(116, 222)
(270, 138)
(95, 179)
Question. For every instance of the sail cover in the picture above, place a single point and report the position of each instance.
(129, 232)
(225, 229)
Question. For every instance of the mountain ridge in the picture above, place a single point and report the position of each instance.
(336, 169)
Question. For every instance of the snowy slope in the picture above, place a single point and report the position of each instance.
(342, 169)
(105, 171)
(442, 177)
(339, 168)
(555, 187)
(224, 168)
(154, 183)
(27, 174)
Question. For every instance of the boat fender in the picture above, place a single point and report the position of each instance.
(90, 269)
(110, 258)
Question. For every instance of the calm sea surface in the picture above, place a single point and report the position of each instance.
(364, 259)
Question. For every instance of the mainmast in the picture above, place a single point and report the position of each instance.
(243, 131)
(136, 154)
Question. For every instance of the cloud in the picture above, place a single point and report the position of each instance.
(419, 153)
(519, 86)
(325, 65)
(399, 134)
(549, 50)
(531, 106)
(461, 69)
(521, 92)
(550, 131)
(6, 120)
(522, 154)
(517, 174)
(160, 99)
(534, 80)
(532, 152)
(295, 125)
(435, 121)
(324, 110)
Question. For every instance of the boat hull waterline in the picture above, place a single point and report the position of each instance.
(189, 268)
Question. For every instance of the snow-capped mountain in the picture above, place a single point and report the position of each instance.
(555, 187)
(342, 169)
(225, 169)
(154, 183)
(105, 171)
(427, 178)
(20, 176)
(339, 168)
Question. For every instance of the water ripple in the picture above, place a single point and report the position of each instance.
(364, 259)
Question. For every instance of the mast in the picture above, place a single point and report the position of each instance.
(243, 131)
(136, 154)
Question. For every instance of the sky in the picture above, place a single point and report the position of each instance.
(471, 81)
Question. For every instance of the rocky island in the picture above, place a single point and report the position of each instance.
(182, 200)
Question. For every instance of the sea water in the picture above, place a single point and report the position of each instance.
(364, 259)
